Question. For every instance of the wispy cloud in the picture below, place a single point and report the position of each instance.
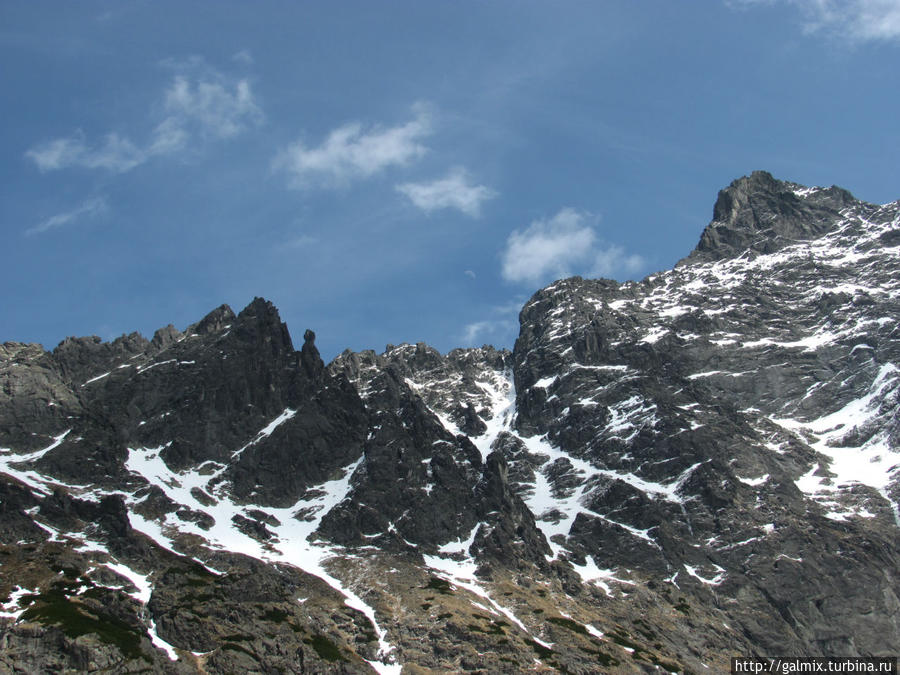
(114, 153)
(853, 20)
(90, 208)
(199, 103)
(501, 328)
(561, 246)
(479, 330)
(300, 241)
(455, 191)
(354, 151)
(206, 108)
(243, 57)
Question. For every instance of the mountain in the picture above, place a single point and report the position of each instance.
(661, 475)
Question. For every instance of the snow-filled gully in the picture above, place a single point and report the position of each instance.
(292, 545)
(541, 500)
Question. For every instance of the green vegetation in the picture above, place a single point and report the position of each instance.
(602, 657)
(623, 640)
(325, 648)
(641, 652)
(668, 666)
(195, 575)
(442, 586)
(492, 627)
(682, 606)
(198, 581)
(238, 648)
(68, 572)
(644, 629)
(539, 649)
(96, 592)
(275, 615)
(75, 619)
(573, 626)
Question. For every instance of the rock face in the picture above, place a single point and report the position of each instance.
(660, 475)
(761, 214)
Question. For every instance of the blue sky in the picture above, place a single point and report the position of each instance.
(390, 172)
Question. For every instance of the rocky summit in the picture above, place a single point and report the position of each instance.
(661, 475)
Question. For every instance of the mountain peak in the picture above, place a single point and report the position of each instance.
(260, 322)
(763, 214)
(213, 322)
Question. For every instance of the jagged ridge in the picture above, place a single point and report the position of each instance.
(661, 472)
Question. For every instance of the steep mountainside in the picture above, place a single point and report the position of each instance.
(661, 475)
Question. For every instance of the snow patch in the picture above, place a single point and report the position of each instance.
(545, 382)
(590, 573)
(144, 590)
(11, 607)
(874, 462)
(754, 482)
(267, 430)
(715, 581)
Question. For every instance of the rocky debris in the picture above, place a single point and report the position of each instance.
(252, 617)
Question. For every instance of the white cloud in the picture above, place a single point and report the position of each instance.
(564, 245)
(498, 330)
(169, 137)
(210, 108)
(471, 274)
(87, 209)
(243, 57)
(352, 151)
(548, 247)
(455, 191)
(861, 20)
(115, 154)
(473, 330)
(853, 20)
(199, 103)
(611, 260)
(501, 329)
(300, 241)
